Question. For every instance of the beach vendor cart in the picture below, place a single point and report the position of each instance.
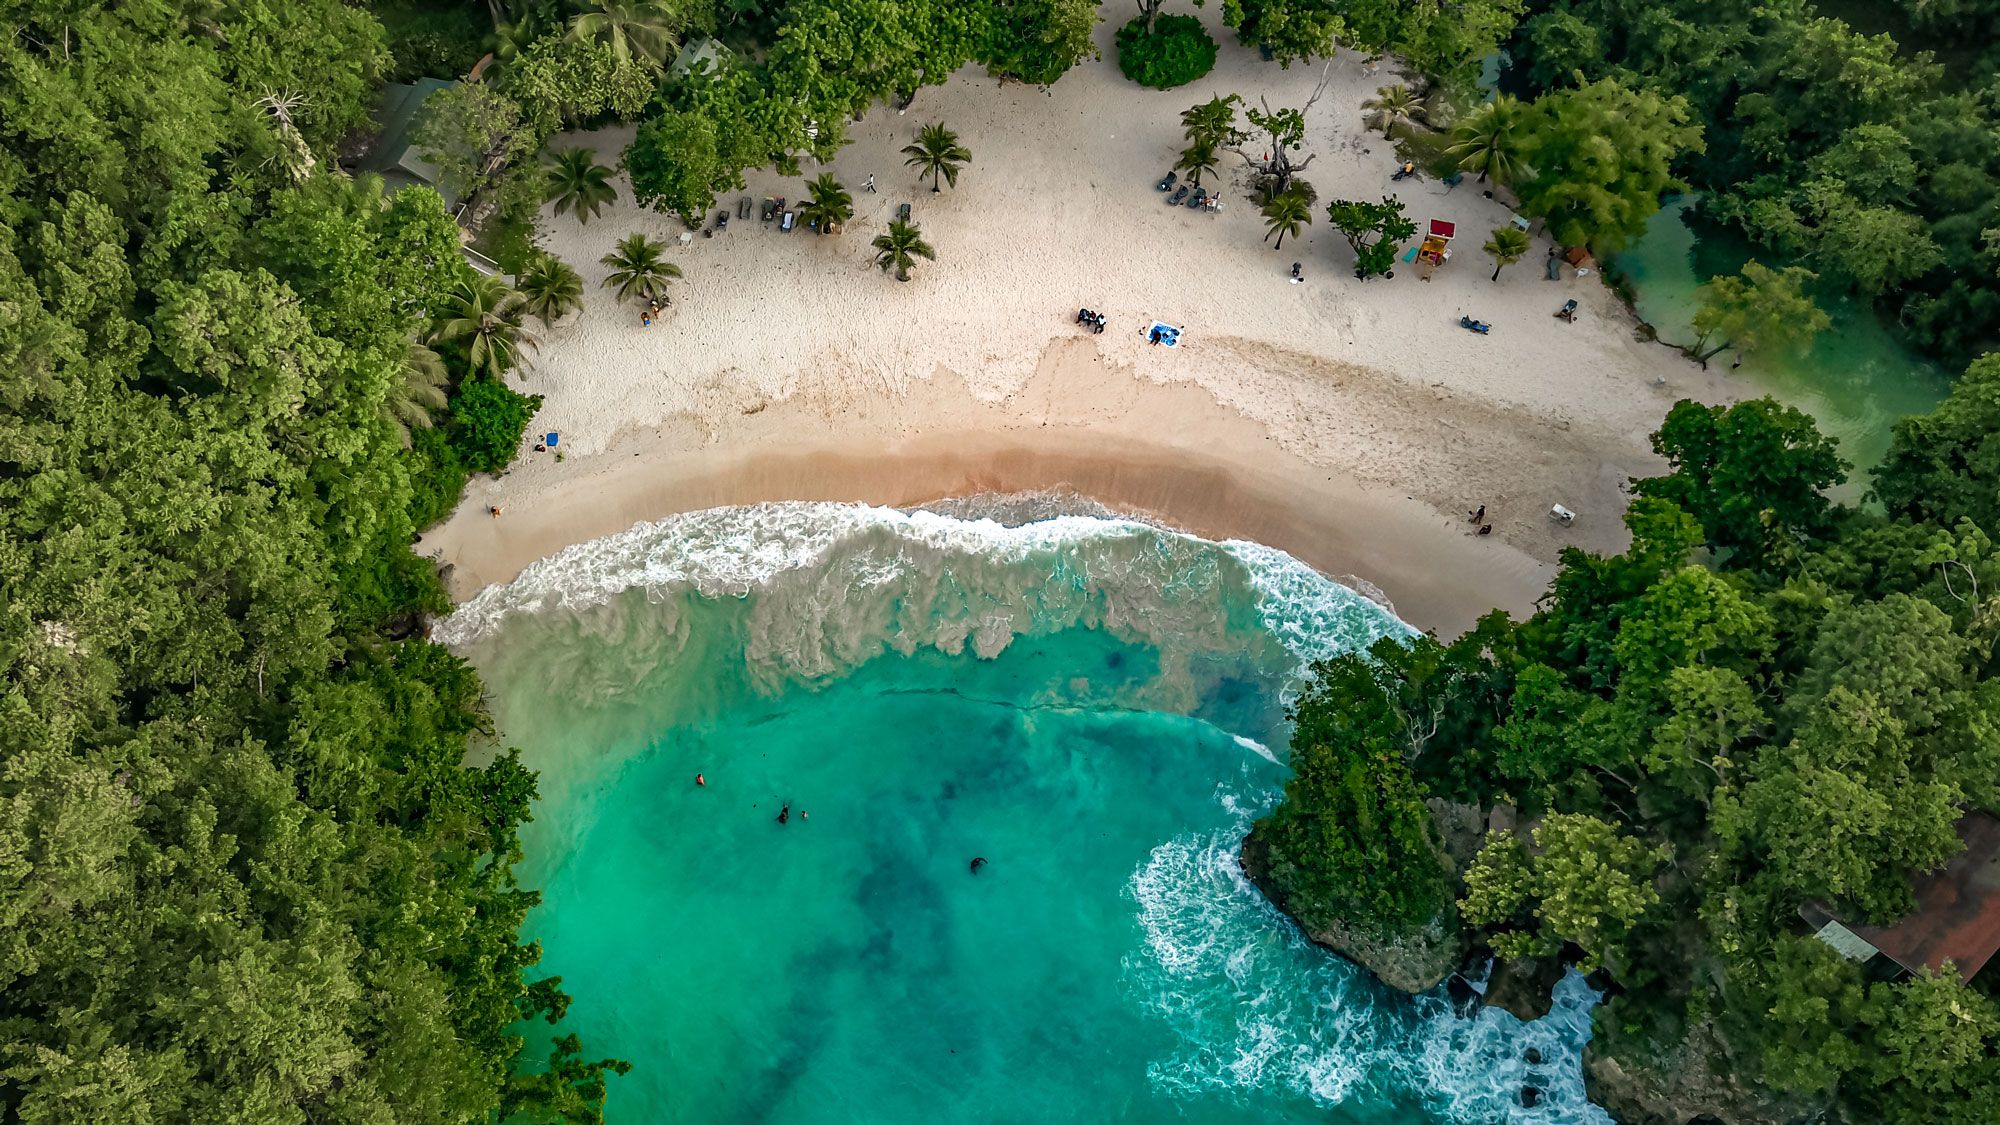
(1435, 248)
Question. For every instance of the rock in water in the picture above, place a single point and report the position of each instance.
(1530, 1096)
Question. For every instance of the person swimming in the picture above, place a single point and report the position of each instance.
(785, 814)
(977, 863)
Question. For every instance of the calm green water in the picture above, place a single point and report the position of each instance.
(1084, 703)
(1856, 380)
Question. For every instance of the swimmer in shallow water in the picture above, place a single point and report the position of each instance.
(785, 814)
(977, 863)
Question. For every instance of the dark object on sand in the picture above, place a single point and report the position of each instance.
(1180, 193)
(903, 213)
(1568, 311)
(721, 221)
(743, 208)
(1485, 529)
(1472, 325)
(770, 209)
(1200, 197)
(1167, 182)
(977, 863)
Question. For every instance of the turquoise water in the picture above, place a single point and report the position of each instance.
(1856, 380)
(1086, 704)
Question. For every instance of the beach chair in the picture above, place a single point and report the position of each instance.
(1562, 515)
(1167, 182)
(903, 213)
(1200, 199)
(1568, 312)
(743, 208)
(787, 220)
(1180, 193)
(770, 210)
(722, 220)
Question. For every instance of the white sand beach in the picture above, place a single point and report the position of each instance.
(1350, 423)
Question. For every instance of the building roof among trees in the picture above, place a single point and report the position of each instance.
(1958, 911)
(394, 158)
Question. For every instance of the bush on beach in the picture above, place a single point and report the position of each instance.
(1176, 52)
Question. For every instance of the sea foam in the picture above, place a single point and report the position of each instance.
(836, 580)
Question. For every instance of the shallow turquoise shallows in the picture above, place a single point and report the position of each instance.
(1855, 381)
(1084, 704)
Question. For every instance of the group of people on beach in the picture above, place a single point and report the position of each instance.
(652, 312)
(1093, 320)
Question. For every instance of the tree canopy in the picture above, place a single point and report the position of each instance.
(1698, 746)
(248, 875)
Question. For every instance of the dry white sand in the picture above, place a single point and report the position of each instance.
(1357, 415)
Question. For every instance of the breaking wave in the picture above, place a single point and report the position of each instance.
(835, 584)
(1253, 1005)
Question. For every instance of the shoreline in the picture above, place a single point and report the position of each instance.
(1167, 454)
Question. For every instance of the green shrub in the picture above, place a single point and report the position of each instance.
(1176, 53)
(487, 421)
(437, 476)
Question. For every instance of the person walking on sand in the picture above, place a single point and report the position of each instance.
(1478, 514)
(869, 187)
(494, 511)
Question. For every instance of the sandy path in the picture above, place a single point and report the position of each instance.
(1344, 419)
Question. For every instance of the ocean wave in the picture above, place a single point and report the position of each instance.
(1255, 1007)
(835, 583)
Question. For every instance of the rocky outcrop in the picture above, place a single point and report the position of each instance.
(1525, 987)
(1690, 1081)
(1408, 962)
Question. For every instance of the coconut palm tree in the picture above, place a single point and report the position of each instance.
(1489, 139)
(633, 29)
(1394, 105)
(1285, 214)
(487, 319)
(416, 392)
(1197, 158)
(639, 270)
(901, 248)
(577, 182)
(829, 205)
(1213, 121)
(1505, 247)
(552, 288)
(937, 153)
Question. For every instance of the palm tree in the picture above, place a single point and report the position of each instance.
(901, 248)
(937, 153)
(1285, 214)
(830, 204)
(633, 29)
(1393, 105)
(552, 288)
(639, 270)
(577, 182)
(1489, 139)
(487, 318)
(1506, 247)
(1213, 121)
(1197, 158)
(416, 392)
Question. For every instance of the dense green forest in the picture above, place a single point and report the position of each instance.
(1768, 700)
(244, 873)
(1848, 145)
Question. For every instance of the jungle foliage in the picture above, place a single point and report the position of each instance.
(1769, 700)
(245, 874)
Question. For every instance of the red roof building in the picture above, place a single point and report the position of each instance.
(1957, 917)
